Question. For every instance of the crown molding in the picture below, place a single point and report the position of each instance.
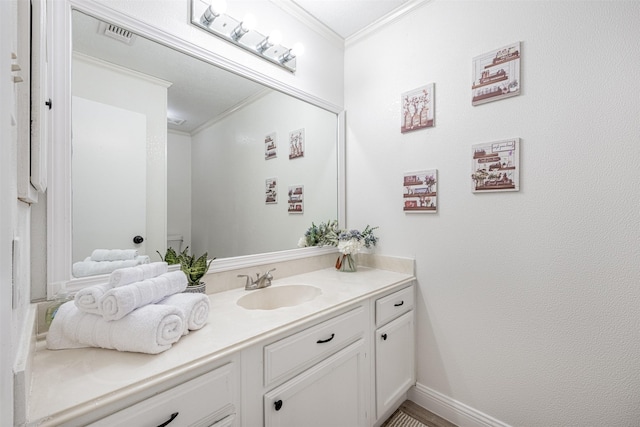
(393, 16)
(292, 8)
(120, 69)
(310, 21)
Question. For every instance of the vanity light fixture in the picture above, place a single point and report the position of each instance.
(291, 54)
(214, 9)
(243, 27)
(210, 16)
(271, 40)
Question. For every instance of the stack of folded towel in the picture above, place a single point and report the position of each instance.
(105, 261)
(140, 309)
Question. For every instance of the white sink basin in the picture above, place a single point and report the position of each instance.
(277, 297)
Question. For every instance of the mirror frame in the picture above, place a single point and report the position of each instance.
(59, 197)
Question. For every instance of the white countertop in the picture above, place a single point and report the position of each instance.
(68, 383)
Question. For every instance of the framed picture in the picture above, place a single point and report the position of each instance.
(417, 109)
(271, 191)
(296, 144)
(271, 146)
(496, 166)
(421, 191)
(496, 74)
(296, 199)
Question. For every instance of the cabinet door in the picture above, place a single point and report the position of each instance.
(331, 393)
(395, 361)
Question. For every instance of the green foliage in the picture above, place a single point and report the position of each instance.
(328, 233)
(194, 267)
(320, 235)
(171, 257)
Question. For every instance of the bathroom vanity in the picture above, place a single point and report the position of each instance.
(342, 354)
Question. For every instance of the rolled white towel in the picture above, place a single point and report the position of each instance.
(143, 259)
(122, 300)
(150, 329)
(88, 299)
(126, 276)
(113, 254)
(195, 307)
(92, 268)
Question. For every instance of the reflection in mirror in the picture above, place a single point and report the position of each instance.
(170, 148)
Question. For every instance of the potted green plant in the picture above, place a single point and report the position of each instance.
(171, 257)
(195, 268)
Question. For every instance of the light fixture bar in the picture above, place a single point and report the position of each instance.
(214, 21)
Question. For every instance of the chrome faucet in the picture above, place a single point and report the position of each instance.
(260, 282)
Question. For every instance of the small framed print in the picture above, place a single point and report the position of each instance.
(496, 74)
(271, 146)
(271, 191)
(417, 109)
(296, 144)
(421, 191)
(296, 199)
(496, 166)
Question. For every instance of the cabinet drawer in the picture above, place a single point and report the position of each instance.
(289, 355)
(394, 305)
(202, 401)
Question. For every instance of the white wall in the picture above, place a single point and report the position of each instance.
(529, 305)
(229, 213)
(179, 186)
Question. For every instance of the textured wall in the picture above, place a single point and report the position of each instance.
(529, 301)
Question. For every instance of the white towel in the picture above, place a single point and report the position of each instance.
(126, 276)
(88, 299)
(195, 307)
(143, 259)
(113, 254)
(120, 301)
(92, 268)
(150, 329)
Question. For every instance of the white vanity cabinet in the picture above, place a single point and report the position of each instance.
(345, 358)
(394, 348)
(326, 374)
(207, 400)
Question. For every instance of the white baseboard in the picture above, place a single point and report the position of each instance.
(450, 409)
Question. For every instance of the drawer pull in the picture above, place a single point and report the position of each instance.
(398, 304)
(384, 337)
(278, 404)
(327, 340)
(173, 417)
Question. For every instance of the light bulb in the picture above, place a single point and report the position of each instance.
(297, 49)
(275, 37)
(249, 22)
(218, 6)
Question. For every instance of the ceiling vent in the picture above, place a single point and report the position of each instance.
(117, 33)
(175, 121)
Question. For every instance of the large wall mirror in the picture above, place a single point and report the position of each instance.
(167, 148)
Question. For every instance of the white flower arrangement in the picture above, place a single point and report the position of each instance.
(348, 242)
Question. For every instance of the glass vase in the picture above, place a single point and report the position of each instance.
(346, 263)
